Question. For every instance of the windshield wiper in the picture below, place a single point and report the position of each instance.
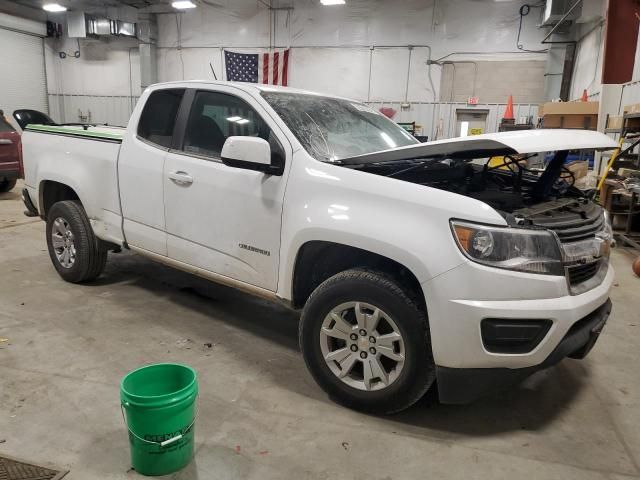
(412, 162)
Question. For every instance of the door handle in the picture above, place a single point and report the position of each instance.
(181, 178)
(6, 141)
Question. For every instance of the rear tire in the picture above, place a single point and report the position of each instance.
(76, 253)
(7, 185)
(382, 368)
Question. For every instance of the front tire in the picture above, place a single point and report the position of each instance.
(366, 343)
(76, 253)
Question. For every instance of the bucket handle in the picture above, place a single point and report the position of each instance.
(160, 444)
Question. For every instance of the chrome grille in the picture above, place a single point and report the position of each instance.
(571, 222)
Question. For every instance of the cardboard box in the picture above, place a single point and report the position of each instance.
(579, 168)
(568, 108)
(585, 122)
(635, 108)
(632, 123)
(614, 121)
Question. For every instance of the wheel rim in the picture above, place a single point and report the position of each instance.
(362, 346)
(63, 242)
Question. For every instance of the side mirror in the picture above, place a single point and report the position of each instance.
(250, 153)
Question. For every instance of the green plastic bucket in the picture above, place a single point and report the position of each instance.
(159, 410)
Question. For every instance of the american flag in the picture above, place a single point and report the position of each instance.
(270, 68)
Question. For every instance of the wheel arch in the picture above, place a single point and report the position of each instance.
(318, 260)
(51, 192)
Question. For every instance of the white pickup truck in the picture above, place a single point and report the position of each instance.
(412, 262)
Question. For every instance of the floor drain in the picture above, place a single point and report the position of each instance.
(14, 469)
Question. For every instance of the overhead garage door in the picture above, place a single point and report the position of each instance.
(23, 82)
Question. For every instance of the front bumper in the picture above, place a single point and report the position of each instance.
(464, 385)
(460, 299)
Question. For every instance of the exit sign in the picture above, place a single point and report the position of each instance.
(472, 101)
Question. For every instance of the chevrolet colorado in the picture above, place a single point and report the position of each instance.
(413, 263)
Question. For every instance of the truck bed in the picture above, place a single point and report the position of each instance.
(86, 160)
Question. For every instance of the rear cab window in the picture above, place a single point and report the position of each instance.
(158, 117)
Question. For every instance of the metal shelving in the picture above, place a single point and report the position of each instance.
(627, 157)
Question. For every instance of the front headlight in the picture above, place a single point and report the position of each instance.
(532, 251)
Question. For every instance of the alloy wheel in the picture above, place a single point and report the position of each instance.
(362, 346)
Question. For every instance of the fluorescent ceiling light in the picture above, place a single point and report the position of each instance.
(242, 121)
(332, 2)
(183, 4)
(233, 119)
(54, 7)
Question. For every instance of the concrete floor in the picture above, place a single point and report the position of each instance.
(261, 415)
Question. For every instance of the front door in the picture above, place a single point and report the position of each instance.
(223, 219)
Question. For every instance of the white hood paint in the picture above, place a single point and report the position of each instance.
(491, 144)
(542, 140)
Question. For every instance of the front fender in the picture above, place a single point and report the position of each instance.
(405, 222)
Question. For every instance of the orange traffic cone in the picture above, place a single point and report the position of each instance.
(585, 97)
(508, 112)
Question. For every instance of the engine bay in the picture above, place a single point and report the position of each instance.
(522, 196)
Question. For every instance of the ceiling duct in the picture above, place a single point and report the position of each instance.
(76, 25)
(555, 10)
(124, 29)
(79, 25)
(99, 26)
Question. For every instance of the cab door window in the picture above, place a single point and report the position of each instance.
(214, 117)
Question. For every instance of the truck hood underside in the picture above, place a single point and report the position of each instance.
(521, 196)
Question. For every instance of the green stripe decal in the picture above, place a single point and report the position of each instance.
(74, 131)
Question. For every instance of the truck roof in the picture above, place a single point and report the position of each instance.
(246, 86)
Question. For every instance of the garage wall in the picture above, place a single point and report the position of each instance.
(23, 82)
(372, 50)
(587, 71)
(438, 120)
(492, 81)
(340, 70)
(588, 31)
(103, 83)
(331, 45)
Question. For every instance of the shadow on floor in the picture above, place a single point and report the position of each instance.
(263, 318)
(11, 195)
(529, 406)
(532, 405)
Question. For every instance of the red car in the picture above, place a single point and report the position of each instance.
(10, 155)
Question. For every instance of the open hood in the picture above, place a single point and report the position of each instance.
(492, 144)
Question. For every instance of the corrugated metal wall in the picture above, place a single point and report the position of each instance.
(110, 110)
